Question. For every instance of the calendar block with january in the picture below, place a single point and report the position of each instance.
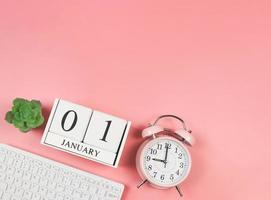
(86, 132)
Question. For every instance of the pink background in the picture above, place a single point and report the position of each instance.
(207, 61)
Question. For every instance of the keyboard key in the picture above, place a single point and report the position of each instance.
(84, 186)
(19, 192)
(86, 196)
(43, 181)
(51, 194)
(6, 196)
(36, 196)
(68, 190)
(26, 185)
(75, 184)
(3, 167)
(2, 176)
(9, 179)
(60, 187)
(52, 185)
(42, 191)
(2, 157)
(3, 186)
(76, 194)
(10, 170)
(67, 197)
(59, 196)
(27, 195)
(27, 176)
(11, 189)
(34, 188)
(18, 181)
(10, 161)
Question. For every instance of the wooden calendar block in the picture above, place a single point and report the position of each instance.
(70, 120)
(104, 130)
(85, 132)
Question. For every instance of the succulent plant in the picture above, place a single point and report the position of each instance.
(25, 114)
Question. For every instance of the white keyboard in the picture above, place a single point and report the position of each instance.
(25, 176)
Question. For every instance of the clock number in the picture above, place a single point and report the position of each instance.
(180, 156)
(181, 165)
(106, 131)
(171, 177)
(150, 167)
(155, 173)
(178, 172)
(64, 120)
(168, 145)
(159, 146)
(153, 151)
(148, 158)
(176, 150)
(162, 177)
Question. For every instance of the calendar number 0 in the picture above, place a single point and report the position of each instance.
(64, 120)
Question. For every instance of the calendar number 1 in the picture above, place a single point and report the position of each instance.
(106, 131)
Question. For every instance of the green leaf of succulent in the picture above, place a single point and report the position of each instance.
(40, 121)
(15, 108)
(25, 129)
(25, 114)
(17, 115)
(19, 101)
(35, 104)
(36, 112)
(18, 123)
(9, 117)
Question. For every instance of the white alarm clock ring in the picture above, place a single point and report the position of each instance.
(163, 160)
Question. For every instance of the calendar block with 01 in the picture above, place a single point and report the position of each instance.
(86, 132)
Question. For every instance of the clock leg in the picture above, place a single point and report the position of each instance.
(142, 183)
(179, 191)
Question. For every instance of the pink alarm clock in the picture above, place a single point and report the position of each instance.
(163, 159)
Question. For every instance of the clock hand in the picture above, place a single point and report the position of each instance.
(159, 160)
(165, 161)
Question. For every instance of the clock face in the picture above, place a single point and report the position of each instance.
(166, 162)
